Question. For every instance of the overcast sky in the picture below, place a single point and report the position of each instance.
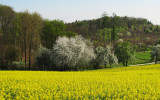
(72, 10)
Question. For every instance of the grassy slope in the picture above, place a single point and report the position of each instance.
(142, 57)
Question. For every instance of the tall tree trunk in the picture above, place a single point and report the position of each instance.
(25, 49)
(156, 60)
(105, 66)
(126, 63)
(30, 48)
(2, 62)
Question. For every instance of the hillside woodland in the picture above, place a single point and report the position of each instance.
(27, 41)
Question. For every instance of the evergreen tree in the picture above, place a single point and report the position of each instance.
(114, 35)
(114, 29)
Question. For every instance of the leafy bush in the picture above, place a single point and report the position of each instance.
(18, 65)
(120, 40)
(11, 54)
(120, 34)
(128, 34)
(43, 58)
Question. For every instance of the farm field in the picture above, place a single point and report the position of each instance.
(140, 82)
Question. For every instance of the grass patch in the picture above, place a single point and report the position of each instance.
(143, 55)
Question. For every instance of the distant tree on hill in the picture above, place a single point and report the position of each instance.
(99, 26)
(158, 42)
(114, 34)
(105, 19)
(146, 42)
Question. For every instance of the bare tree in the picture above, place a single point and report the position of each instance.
(33, 36)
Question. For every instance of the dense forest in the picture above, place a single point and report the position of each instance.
(23, 33)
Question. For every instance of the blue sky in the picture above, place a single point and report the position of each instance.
(72, 10)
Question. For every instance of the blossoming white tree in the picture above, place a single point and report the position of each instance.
(104, 56)
(72, 52)
(155, 53)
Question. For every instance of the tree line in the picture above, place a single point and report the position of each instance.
(27, 41)
(21, 33)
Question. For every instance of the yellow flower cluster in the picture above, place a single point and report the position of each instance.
(127, 83)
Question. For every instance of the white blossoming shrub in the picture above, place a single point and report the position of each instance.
(104, 56)
(155, 53)
(72, 52)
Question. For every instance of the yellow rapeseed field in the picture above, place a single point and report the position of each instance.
(130, 83)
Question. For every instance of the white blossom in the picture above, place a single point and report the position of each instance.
(72, 51)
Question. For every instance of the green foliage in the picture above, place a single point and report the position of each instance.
(70, 34)
(105, 21)
(11, 55)
(20, 34)
(104, 35)
(155, 53)
(43, 58)
(120, 34)
(18, 65)
(124, 52)
(158, 42)
(51, 31)
(114, 35)
(128, 34)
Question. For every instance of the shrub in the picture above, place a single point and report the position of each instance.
(43, 58)
(18, 65)
(104, 56)
(128, 34)
(11, 54)
(120, 40)
(120, 34)
(155, 53)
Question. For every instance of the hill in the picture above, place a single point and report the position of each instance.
(136, 30)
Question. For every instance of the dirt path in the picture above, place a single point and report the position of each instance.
(145, 64)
